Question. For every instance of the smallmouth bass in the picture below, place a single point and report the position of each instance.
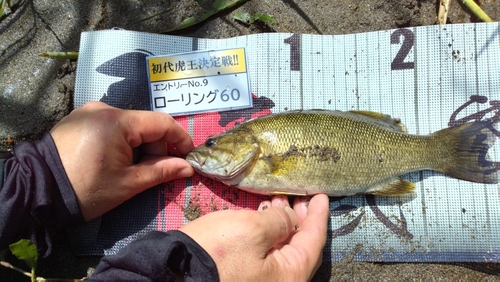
(340, 154)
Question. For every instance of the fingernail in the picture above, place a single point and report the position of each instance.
(290, 212)
(305, 200)
(185, 172)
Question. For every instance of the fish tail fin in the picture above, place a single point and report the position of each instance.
(468, 157)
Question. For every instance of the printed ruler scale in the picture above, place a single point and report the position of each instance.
(429, 77)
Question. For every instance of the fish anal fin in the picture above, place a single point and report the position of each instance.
(393, 123)
(397, 187)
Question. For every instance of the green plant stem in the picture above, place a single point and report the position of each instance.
(476, 10)
(32, 274)
(8, 265)
(217, 6)
(60, 55)
(2, 7)
(154, 15)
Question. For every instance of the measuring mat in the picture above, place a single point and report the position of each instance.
(430, 77)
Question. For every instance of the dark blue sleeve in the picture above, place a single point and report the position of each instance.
(158, 256)
(36, 197)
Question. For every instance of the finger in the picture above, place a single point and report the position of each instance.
(94, 105)
(80, 113)
(277, 224)
(152, 171)
(264, 205)
(157, 148)
(280, 201)
(300, 207)
(311, 237)
(317, 211)
(147, 127)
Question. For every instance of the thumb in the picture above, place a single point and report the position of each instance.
(153, 171)
(278, 223)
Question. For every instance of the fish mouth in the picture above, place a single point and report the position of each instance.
(196, 160)
(202, 164)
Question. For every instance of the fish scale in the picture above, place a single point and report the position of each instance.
(339, 153)
(357, 166)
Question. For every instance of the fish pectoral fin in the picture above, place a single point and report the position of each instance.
(393, 123)
(280, 165)
(397, 187)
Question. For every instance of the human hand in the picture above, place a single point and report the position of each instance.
(265, 245)
(95, 145)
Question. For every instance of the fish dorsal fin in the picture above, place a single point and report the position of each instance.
(371, 114)
(397, 187)
(383, 120)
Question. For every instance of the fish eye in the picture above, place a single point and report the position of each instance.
(209, 142)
